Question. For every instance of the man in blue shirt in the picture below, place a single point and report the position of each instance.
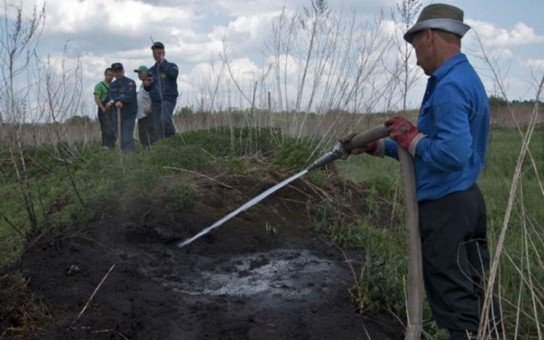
(448, 147)
(163, 92)
(122, 96)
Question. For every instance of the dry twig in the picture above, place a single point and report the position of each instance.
(92, 296)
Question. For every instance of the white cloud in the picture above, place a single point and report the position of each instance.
(126, 16)
(245, 69)
(520, 34)
(249, 8)
(239, 30)
(534, 64)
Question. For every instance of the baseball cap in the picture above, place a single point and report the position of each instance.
(157, 44)
(117, 66)
(141, 68)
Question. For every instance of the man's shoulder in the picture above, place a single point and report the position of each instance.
(461, 84)
(116, 85)
(130, 84)
(100, 85)
(463, 74)
(170, 64)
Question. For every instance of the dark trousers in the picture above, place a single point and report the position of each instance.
(128, 120)
(146, 132)
(163, 124)
(455, 258)
(106, 127)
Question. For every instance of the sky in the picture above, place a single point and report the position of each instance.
(101, 32)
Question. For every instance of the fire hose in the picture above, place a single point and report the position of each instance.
(415, 269)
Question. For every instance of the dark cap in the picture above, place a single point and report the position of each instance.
(157, 44)
(117, 66)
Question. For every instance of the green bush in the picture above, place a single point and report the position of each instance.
(293, 154)
(226, 142)
(383, 273)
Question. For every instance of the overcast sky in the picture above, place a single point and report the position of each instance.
(101, 32)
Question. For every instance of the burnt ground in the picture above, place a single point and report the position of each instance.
(266, 274)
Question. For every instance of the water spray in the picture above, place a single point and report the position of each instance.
(339, 151)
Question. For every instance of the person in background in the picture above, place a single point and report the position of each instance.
(164, 92)
(448, 146)
(122, 97)
(104, 116)
(145, 122)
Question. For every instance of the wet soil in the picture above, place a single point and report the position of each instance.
(266, 274)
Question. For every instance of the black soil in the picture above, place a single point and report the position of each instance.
(266, 274)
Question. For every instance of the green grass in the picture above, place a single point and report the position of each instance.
(102, 178)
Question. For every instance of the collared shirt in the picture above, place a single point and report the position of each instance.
(454, 116)
(124, 90)
(165, 86)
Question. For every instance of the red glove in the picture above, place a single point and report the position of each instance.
(402, 131)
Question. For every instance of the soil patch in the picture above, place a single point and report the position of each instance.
(266, 274)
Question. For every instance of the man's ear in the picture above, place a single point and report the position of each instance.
(429, 36)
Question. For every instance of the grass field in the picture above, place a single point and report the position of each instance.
(69, 182)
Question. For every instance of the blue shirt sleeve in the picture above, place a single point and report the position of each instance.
(171, 71)
(391, 148)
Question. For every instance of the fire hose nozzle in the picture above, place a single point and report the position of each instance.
(343, 150)
(338, 151)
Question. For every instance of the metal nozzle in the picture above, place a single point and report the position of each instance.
(343, 150)
(339, 151)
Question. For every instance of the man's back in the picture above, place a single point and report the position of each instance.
(455, 116)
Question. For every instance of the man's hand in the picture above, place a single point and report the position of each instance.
(371, 148)
(119, 105)
(402, 131)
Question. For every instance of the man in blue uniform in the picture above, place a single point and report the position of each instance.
(122, 96)
(163, 92)
(448, 145)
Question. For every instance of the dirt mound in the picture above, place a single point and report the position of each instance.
(266, 274)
